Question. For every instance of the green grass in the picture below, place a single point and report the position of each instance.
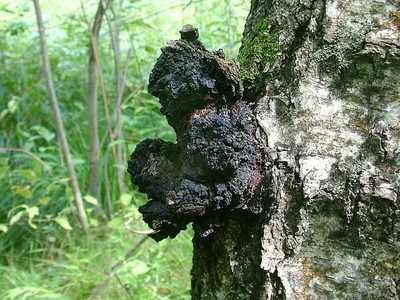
(43, 252)
(70, 266)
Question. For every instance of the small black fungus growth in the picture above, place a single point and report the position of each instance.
(217, 167)
(189, 33)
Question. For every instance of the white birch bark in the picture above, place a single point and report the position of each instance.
(332, 116)
(328, 101)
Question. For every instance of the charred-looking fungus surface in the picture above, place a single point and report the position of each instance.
(217, 167)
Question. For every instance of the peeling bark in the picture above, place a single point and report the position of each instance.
(322, 78)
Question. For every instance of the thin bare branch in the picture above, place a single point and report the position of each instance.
(184, 6)
(107, 185)
(30, 154)
(124, 286)
(116, 267)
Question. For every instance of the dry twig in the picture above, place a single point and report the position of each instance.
(116, 267)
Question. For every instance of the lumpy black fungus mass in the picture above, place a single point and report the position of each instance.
(217, 167)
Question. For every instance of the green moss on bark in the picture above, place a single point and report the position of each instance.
(260, 50)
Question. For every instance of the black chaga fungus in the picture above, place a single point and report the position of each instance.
(217, 168)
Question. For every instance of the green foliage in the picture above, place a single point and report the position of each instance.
(43, 253)
(260, 50)
(69, 266)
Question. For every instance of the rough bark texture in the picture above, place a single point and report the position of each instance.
(329, 103)
(322, 78)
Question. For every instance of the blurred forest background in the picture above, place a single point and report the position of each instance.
(45, 252)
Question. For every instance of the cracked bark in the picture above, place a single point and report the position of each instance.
(323, 83)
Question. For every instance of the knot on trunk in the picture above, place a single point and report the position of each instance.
(217, 166)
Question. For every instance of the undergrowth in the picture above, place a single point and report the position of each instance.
(43, 252)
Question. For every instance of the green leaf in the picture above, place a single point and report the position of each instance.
(137, 267)
(93, 222)
(16, 217)
(15, 208)
(90, 199)
(44, 133)
(125, 199)
(3, 113)
(23, 191)
(3, 228)
(3, 161)
(115, 223)
(5, 9)
(78, 161)
(32, 212)
(68, 193)
(44, 200)
(12, 105)
(37, 168)
(150, 49)
(16, 292)
(63, 222)
(28, 174)
(3, 171)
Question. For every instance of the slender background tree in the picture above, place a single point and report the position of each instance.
(94, 73)
(59, 123)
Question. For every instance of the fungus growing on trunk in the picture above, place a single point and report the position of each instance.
(218, 167)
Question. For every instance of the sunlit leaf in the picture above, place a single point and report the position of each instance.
(3, 113)
(16, 217)
(5, 9)
(15, 293)
(28, 174)
(63, 222)
(93, 222)
(12, 105)
(23, 191)
(78, 161)
(44, 133)
(32, 212)
(115, 223)
(44, 200)
(90, 199)
(150, 49)
(3, 228)
(137, 267)
(125, 199)
(15, 208)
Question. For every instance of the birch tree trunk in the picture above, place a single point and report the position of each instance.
(325, 77)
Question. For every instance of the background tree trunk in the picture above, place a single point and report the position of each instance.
(93, 180)
(58, 119)
(326, 77)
